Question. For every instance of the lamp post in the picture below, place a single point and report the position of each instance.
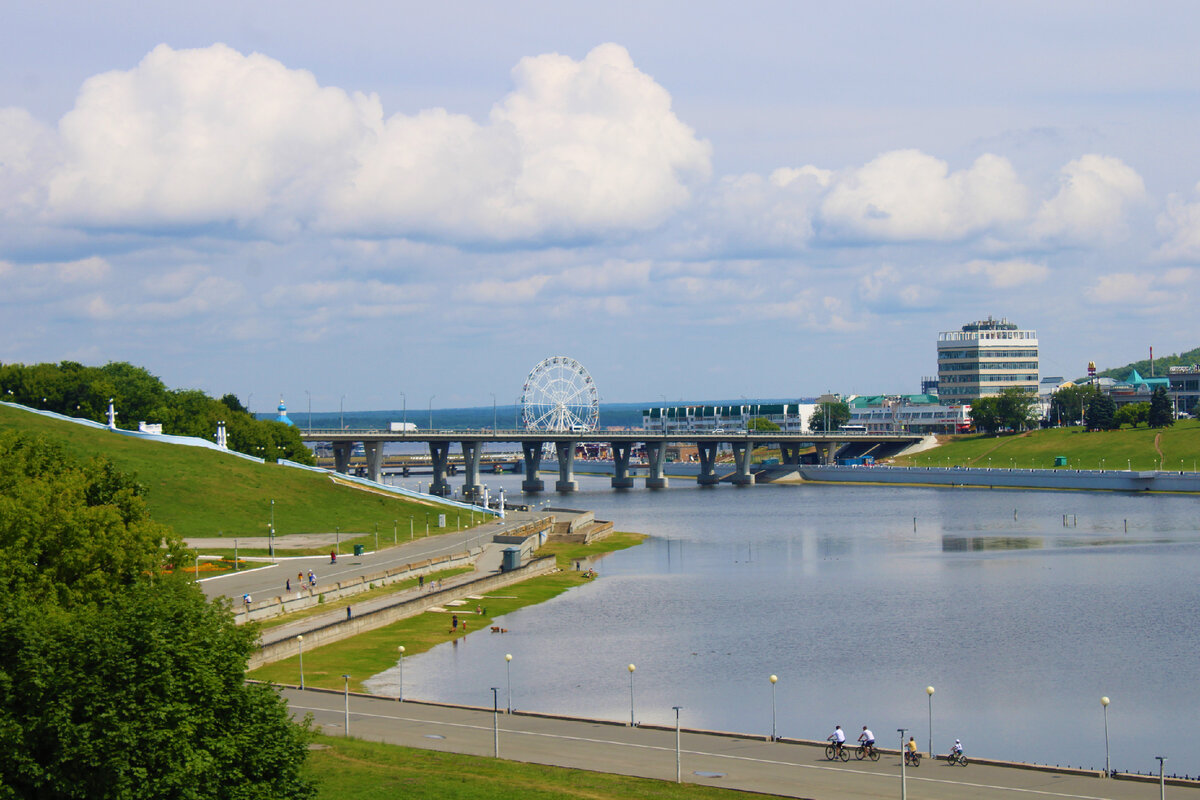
(678, 765)
(1104, 702)
(401, 649)
(307, 392)
(495, 722)
(508, 676)
(404, 413)
(337, 543)
(493, 394)
(346, 678)
(272, 531)
(197, 557)
(395, 534)
(631, 669)
(1162, 783)
(903, 776)
(341, 414)
(773, 679)
(929, 691)
(431, 410)
(300, 644)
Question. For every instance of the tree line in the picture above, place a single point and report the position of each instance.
(118, 678)
(1098, 412)
(76, 390)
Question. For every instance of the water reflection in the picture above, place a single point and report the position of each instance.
(962, 544)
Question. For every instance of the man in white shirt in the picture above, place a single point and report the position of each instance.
(867, 738)
(839, 737)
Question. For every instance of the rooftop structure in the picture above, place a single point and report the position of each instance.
(984, 358)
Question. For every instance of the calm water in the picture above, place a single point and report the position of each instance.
(1020, 623)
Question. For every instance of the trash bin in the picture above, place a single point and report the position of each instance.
(358, 549)
(1060, 461)
(511, 559)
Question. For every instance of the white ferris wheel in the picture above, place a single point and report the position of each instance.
(559, 395)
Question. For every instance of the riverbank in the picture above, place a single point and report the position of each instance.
(1009, 478)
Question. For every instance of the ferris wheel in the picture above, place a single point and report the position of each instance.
(559, 395)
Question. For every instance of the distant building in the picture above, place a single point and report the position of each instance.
(790, 417)
(985, 358)
(1136, 389)
(1185, 387)
(282, 415)
(908, 413)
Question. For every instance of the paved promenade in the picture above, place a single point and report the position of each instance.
(734, 762)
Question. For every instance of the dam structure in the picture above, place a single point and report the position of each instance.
(622, 443)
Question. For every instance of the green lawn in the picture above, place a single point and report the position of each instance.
(1129, 447)
(352, 769)
(203, 493)
(375, 651)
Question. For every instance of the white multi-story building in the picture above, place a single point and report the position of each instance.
(985, 358)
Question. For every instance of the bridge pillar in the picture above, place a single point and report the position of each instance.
(566, 467)
(374, 453)
(533, 462)
(742, 452)
(656, 456)
(472, 488)
(708, 464)
(790, 453)
(621, 479)
(439, 455)
(341, 456)
(827, 451)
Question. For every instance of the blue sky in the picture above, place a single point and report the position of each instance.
(693, 201)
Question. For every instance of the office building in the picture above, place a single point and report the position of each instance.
(985, 358)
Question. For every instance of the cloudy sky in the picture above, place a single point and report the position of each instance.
(693, 200)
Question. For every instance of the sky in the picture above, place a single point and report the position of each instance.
(377, 204)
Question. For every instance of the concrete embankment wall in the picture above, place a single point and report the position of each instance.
(368, 621)
(308, 598)
(997, 478)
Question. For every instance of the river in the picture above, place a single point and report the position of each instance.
(1020, 621)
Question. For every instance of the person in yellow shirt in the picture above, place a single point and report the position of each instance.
(910, 752)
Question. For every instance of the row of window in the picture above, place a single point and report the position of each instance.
(989, 379)
(989, 365)
(986, 353)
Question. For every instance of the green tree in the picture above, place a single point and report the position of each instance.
(1014, 408)
(985, 414)
(762, 424)
(1070, 402)
(118, 679)
(1101, 414)
(1132, 414)
(839, 415)
(1160, 414)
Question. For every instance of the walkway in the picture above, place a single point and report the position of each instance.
(735, 762)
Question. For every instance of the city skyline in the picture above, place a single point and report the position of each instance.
(271, 200)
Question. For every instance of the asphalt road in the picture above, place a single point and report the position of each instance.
(746, 763)
(271, 579)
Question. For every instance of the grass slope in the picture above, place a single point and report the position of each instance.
(203, 493)
(352, 769)
(375, 651)
(1129, 447)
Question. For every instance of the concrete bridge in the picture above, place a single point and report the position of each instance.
(621, 442)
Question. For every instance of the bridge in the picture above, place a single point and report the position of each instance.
(621, 442)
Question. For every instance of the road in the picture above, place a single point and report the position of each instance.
(745, 763)
(271, 579)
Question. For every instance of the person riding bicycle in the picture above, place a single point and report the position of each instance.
(956, 750)
(911, 747)
(867, 739)
(838, 737)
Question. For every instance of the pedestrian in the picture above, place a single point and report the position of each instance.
(348, 614)
(454, 622)
(289, 585)
(421, 582)
(332, 556)
(300, 577)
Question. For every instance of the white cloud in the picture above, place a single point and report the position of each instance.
(1008, 274)
(211, 137)
(1127, 289)
(887, 288)
(906, 195)
(1095, 193)
(1179, 224)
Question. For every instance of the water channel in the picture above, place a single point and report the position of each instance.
(1020, 621)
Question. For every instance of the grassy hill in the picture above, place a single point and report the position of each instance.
(1127, 448)
(200, 492)
(1161, 365)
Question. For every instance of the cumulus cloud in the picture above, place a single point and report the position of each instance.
(1008, 274)
(757, 214)
(1094, 195)
(907, 195)
(1144, 292)
(1179, 224)
(886, 287)
(212, 137)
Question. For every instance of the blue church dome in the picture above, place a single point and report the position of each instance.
(282, 415)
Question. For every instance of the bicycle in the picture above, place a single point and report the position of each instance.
(834, 751)
(956, 758)
(866, 751)
(912, 758)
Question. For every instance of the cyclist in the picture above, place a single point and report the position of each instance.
(838, 737)
(867, 739)
(911, 748)
(956, 750)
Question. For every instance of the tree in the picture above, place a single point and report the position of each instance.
(1101, 414)
(761, 424)
(1014, 408)
(839, 415)
(1132, 414)
(985, 414)
(1069, 403)
(118, 679)
(1160, 413)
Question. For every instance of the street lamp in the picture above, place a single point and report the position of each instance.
(903, 776)
(307, 392)
(493, 394)
(401, 649)
(1162, 783)
(929, 691)
(508, 675)
(773, 679)
(495, 722)
(300, 643)
(631, 669)
(341, 415)
(404, 413)
(347, 679)
(678, 767)
(1104, 702)
(431, 410)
